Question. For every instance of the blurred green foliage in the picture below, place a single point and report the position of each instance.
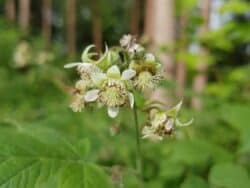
(37, 127)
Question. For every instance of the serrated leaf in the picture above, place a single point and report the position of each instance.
(35, 158)
(229, 176)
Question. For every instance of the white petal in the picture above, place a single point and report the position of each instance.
(169, 125)
(131, 99)
(113, 111)
(98, 78)
(149, 57)
(178, 123)
(91, 95)
(74, 64)
(86, 64)
(114, 72)
(128, 74)
(148, 132)
(154, 137)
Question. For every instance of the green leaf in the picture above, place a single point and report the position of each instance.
(198, 153)
(229, 176)
(41, 158)
(83, 147)
(236, 7)
(238, 117)
(194, 182)
(171, 170)
(185, 6)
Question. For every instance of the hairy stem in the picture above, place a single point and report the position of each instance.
(138, 148)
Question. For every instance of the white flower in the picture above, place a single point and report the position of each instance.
(86, 70)
(148, 72)
(135, 48)
(129, 43)
(127, 40)
(162, 123)
(112, 90)
(88, 66)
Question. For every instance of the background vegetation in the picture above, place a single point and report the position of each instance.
(205, 47)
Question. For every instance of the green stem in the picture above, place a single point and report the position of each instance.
(138, 147)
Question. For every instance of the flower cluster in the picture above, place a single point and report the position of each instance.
(110, 78)
(162, 123)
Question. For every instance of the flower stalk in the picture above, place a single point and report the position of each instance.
(138, 147)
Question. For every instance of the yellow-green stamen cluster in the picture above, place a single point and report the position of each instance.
(113, 94)
(144, 80)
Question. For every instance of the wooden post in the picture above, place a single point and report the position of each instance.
(24, 15)
(96, 25)
(71, 26)
(10, 8)
(135, 17)
(160, 29)
(46, 20)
